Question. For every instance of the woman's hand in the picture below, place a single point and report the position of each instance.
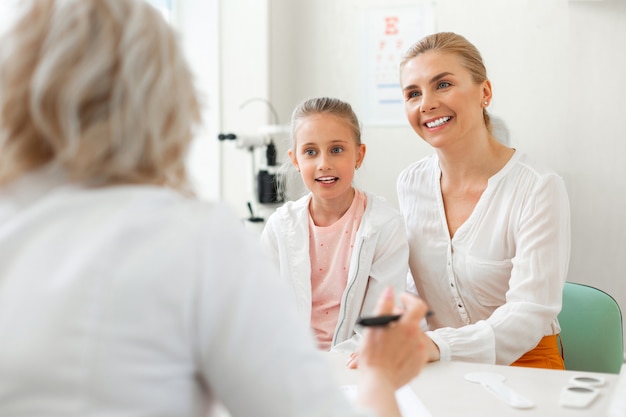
(390, 356)
(432, 350)
(397, 351)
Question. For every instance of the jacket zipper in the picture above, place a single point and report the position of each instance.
(345, 294)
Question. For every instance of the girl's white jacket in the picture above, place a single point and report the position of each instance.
(379, 259)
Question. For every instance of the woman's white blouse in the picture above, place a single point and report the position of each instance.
(496, 286)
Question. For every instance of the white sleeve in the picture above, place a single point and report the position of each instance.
(349, 345)
(390, 264)
(539, 271)
(389, 268)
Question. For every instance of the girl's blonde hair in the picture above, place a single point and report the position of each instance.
(100, 87)
(452, 43)
(325, 105)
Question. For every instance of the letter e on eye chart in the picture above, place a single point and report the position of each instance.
(386, 34)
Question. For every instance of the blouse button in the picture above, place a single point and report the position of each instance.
(452, 284)
(460, 306)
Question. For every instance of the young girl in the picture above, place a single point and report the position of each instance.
(337, 246)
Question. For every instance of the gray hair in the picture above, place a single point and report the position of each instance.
(100, 87)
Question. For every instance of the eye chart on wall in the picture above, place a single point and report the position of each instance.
(386, 34)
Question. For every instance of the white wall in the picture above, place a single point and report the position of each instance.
(557, 69)
(7, 13)
(197, 24)
(244, 66)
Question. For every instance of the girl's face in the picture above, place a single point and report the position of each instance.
(326, 153)
(443, 103)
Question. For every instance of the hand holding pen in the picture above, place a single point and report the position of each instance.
(389, 356)
(401, 344)
(383, 320)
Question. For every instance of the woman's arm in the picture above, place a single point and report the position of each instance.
(391, 356)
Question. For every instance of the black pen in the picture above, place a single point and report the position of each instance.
(383, 320)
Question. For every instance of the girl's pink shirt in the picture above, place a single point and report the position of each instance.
(330, 249)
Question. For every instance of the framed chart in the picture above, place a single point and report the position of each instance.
(386, 34)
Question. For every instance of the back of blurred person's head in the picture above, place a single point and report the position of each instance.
(99, 87)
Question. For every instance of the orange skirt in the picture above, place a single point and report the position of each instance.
(545, 355)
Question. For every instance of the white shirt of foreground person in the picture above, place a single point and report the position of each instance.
(496, 286)
(136, 301)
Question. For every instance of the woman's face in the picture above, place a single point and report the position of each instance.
(443, 103)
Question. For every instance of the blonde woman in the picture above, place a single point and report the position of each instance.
(120, 294)
(488, 227)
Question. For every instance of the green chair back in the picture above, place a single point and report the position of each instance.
(591, 330)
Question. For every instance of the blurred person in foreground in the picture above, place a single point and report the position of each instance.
(121, 294)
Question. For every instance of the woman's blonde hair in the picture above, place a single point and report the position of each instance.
(452, 43)
(98, 86)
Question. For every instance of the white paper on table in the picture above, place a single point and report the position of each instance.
(409, 403)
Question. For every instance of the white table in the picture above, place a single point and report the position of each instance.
(443, 390)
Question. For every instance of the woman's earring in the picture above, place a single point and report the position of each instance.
(486, 103)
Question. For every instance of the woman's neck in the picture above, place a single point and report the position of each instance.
(477, 162)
